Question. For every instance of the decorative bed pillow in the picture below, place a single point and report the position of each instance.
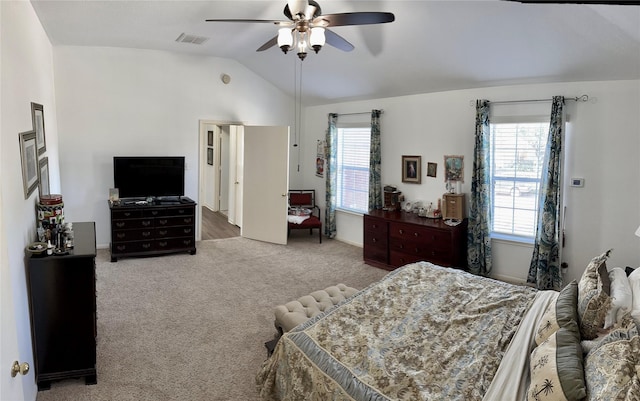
(634, 283)
(556, 368)
(559, 313)
(593, 297)
(610, 367)
(621, 297)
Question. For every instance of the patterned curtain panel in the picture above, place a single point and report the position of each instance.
(479, 231)
(375, 183)
(332, 177)
(545, 263)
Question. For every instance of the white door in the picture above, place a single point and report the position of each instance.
(265, 184)
(236, 160)
(10, 388)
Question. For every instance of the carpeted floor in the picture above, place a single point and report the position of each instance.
(183, 327)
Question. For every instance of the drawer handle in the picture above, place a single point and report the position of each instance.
(163, 243)
(146, 246)
(163, 221)
(187, 220)
(127, 214)
(416, 234)
(375, 226)
(186, 242)
(146, 233)
(121, 235)
(146, 223)
(401, 231)
(121, 247)
(154, 212)
(417, 250)
(181, 211)
(187, 230)
(120, 224)
(401, 246)
(162, 232)
(374, 240)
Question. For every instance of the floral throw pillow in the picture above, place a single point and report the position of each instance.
(594, 300)
(610, 367)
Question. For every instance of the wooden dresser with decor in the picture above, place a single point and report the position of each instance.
(395, 238)
(152, 228)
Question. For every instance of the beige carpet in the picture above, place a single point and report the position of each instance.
(185, 327)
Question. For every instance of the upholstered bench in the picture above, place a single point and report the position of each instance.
(299, 311)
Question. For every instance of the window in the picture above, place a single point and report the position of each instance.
(353, 169)
(517, 157)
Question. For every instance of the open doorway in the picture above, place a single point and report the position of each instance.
(215, 178)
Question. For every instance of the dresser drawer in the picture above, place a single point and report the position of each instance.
(175, 243)
(131, 224)
(125, 214)
(425, 235)
(374, 225)
(174, 221)
(132, 247)
(169, 232)
(421, 249)
(132, 235)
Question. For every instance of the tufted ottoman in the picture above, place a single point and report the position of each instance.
(299, 311)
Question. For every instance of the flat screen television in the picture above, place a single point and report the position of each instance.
(148, 176)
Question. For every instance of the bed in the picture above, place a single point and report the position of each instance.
(426, 332)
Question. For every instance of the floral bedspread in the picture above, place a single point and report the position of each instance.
(423, 332)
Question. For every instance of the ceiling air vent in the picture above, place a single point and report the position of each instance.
(193, 39)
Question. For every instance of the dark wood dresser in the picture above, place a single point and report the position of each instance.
(153, 228)
(395, 238)
(62, 305)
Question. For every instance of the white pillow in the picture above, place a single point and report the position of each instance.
(621, 296)
(634, 282)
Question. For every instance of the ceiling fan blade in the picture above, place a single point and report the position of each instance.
(258, 21)
(272, 42)
(337, 41)
(359, 18)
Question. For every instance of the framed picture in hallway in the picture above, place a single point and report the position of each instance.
(210, 156)
(37, 117)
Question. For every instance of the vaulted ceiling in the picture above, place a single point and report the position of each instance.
(432, 46)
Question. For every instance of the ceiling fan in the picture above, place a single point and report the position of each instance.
(307, 27)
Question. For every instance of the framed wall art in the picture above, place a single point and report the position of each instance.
(29, 158)
(210, 156)
(37, 118)
(454, 168)
(209, 138)
(411, 169)
(43, 176)
(432, 169)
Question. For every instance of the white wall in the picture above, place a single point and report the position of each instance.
(27, 76)
(603, 144)
(115, 101)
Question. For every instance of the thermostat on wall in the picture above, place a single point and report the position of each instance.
(577, 182)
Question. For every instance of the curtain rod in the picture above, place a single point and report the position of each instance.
(353, 114)
(582, 98)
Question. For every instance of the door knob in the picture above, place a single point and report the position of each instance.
(22, 368)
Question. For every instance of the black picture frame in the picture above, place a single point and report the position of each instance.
(209, 138)
(210, 156)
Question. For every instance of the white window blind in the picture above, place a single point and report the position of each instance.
(353, 168)
(517, 157)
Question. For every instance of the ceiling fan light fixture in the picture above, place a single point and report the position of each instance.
(302, 44)
(285, 39)
(317, 38)
(297, 7)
